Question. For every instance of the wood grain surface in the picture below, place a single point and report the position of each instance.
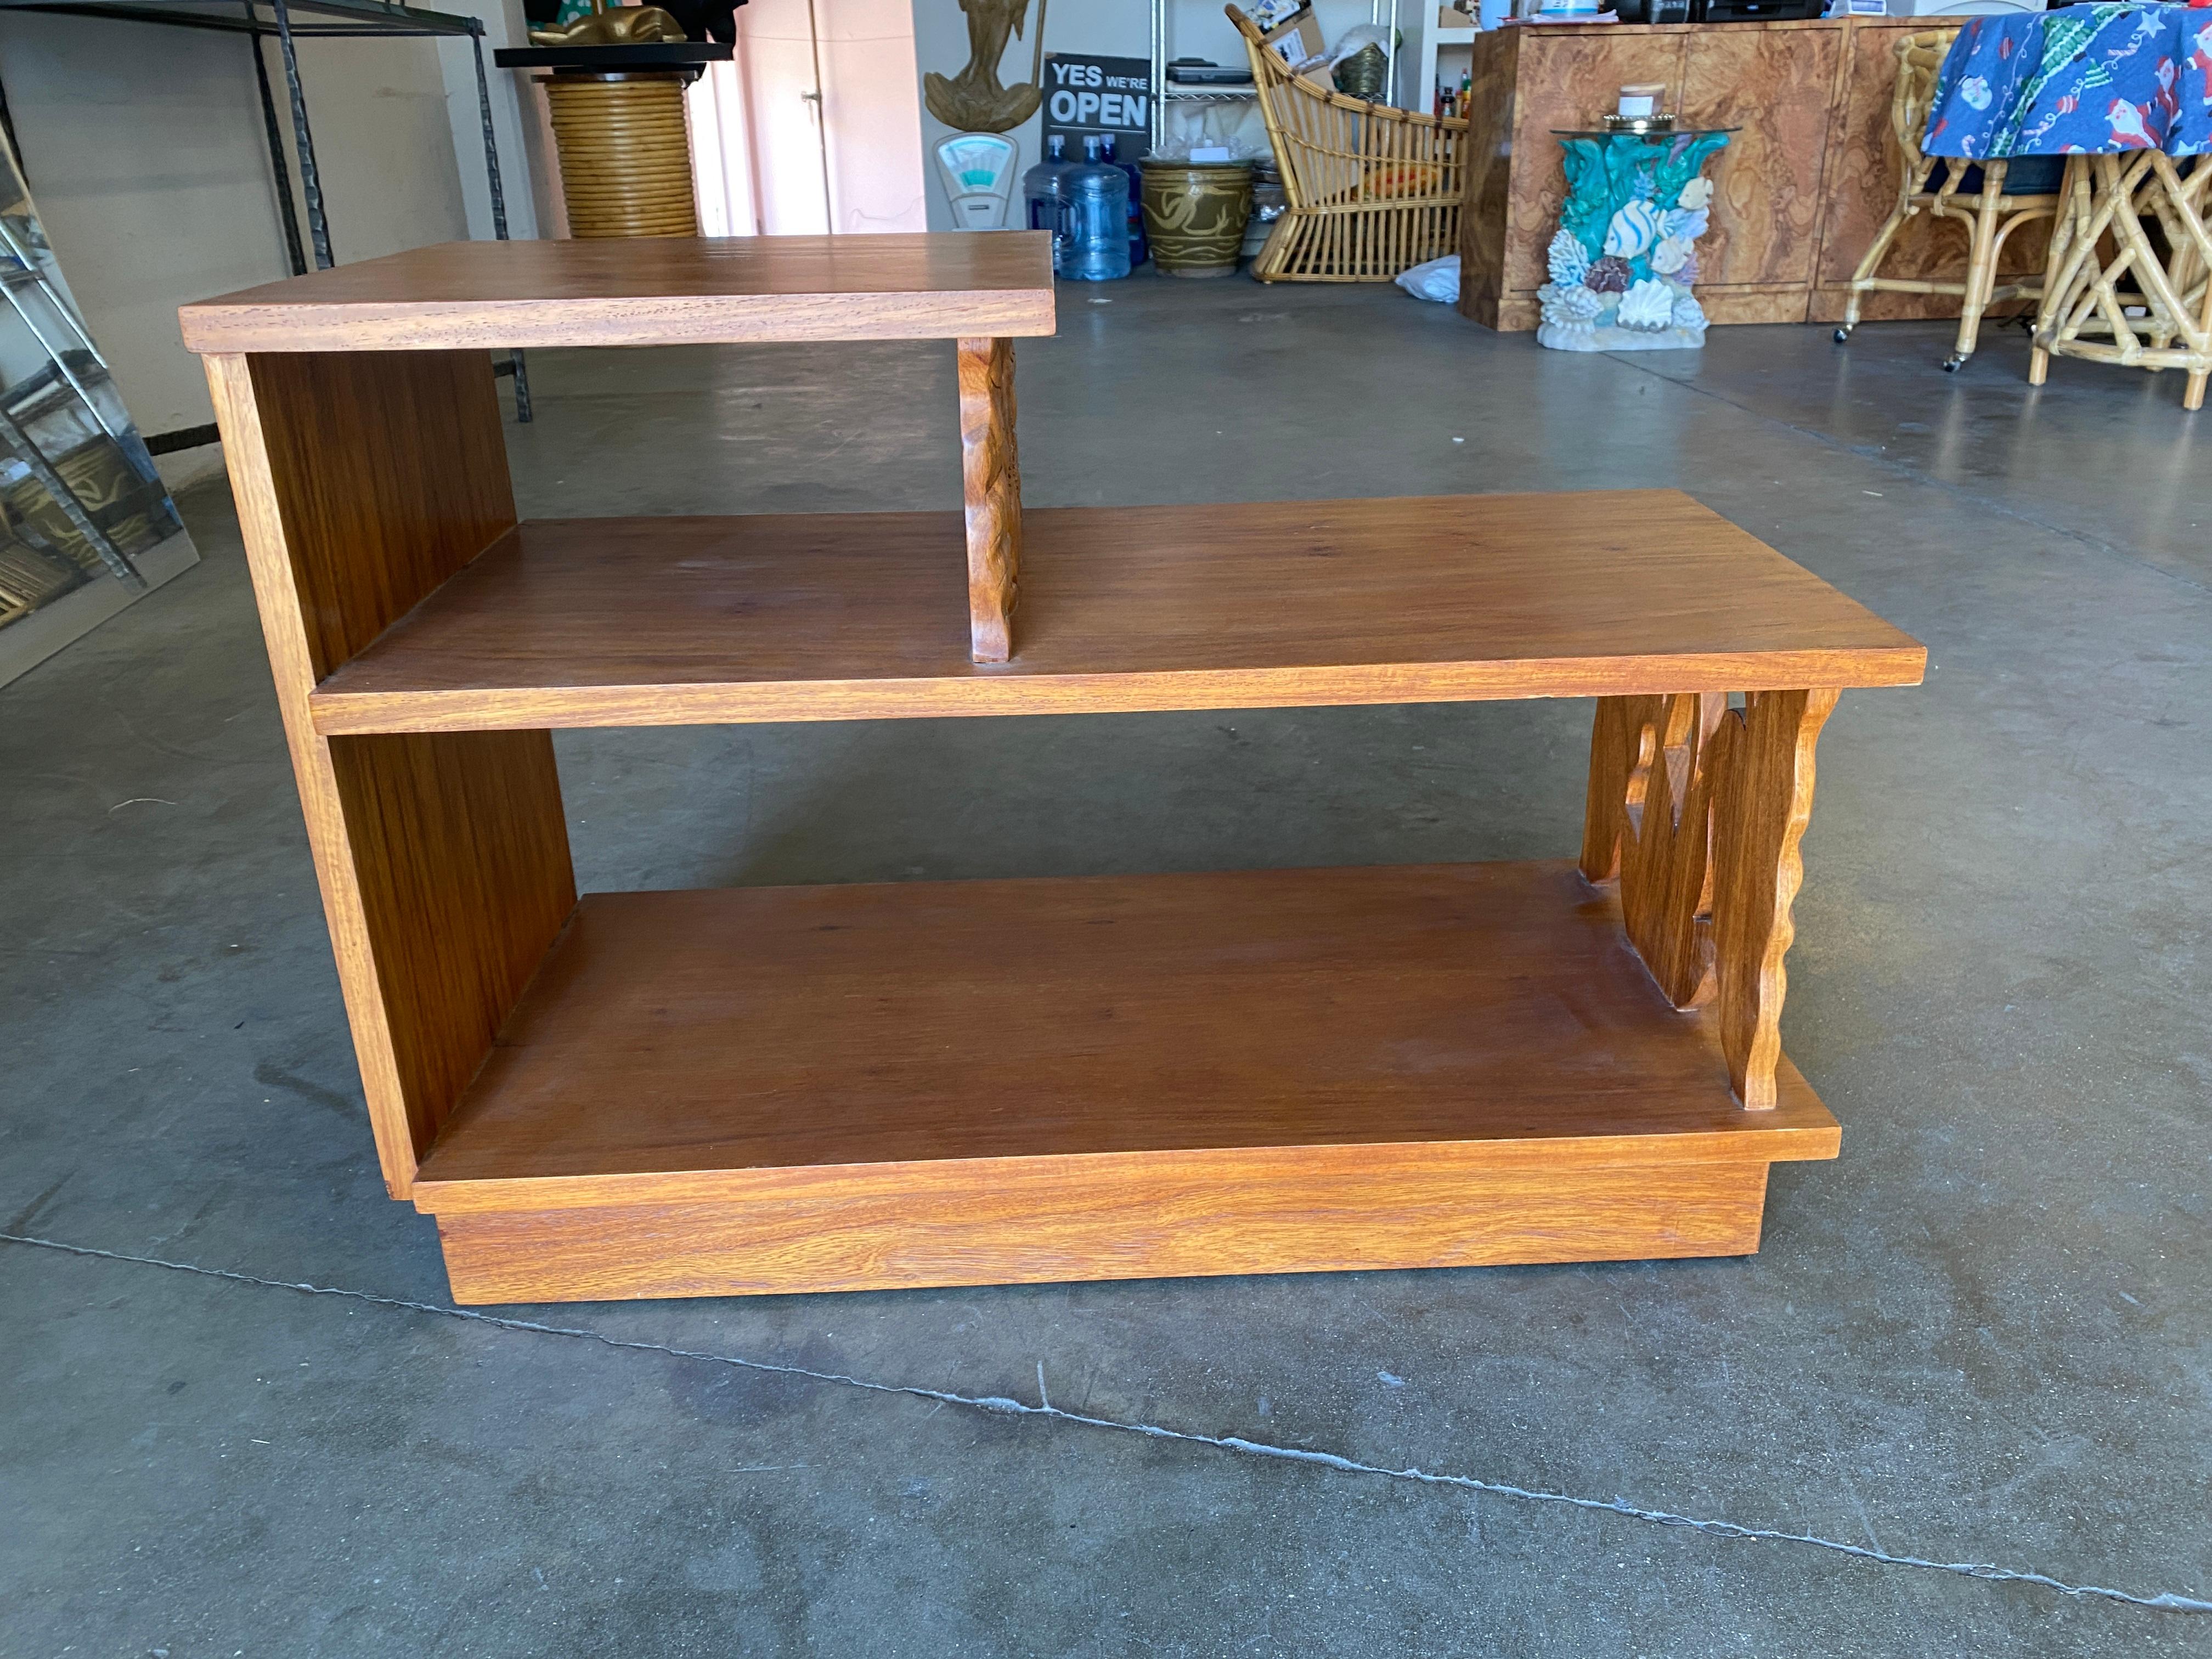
(1389, 1208)
(1666, 874)
(728, 1044)
(1696, 810)
(1487, 213)
(390, 472)
(443, 862)
(656, 291)
(630, 622)
(1774, 86)
(1865, 168)
(1762, 800)
(991, 481)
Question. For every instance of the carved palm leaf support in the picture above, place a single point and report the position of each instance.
(991, 479)
(1697, 809)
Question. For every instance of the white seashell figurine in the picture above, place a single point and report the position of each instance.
(1650, 304)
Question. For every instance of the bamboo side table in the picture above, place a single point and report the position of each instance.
(2108, 203)
(847, 1087)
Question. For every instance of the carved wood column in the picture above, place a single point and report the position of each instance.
(1697, 809)
(991, 479)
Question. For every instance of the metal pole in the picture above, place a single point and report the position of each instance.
(498, 204)
(276, 163)
(318, 226)
(1389, 51)
(117, 561)
(821, 114)
(1159, 72)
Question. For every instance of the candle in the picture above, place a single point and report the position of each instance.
(1640, 103)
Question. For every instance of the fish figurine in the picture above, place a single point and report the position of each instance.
(1635, 227)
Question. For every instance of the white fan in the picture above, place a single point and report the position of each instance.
(977, 172)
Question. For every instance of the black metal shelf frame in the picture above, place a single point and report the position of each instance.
(289, 22)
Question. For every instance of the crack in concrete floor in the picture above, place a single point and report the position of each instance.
(2163, 1601)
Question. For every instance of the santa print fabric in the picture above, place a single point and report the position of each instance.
(2094, 78)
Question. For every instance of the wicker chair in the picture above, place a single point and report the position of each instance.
(1990, 213)
(1372, 190)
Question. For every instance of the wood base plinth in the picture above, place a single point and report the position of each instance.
(969, 1083)
(1419, 1211)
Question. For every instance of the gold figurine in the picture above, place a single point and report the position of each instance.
(973, 100)
(615, 26)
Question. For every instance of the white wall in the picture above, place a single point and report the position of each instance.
(1196, 28)
(504, 26)
(145, 150)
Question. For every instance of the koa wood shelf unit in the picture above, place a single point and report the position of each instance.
(817, 1088)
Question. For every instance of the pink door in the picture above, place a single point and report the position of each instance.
(816, 125)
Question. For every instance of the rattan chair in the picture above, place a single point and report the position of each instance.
(1990, 214)
(1372, 190)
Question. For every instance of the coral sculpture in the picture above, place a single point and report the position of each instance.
(1624, 257)
(1567, 262)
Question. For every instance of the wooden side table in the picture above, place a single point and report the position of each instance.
(845, 1087)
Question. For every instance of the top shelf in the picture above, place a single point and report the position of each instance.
(651, 291)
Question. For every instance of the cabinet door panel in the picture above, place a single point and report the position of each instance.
(1568, 80)
(1776, 85)
(1862, 186)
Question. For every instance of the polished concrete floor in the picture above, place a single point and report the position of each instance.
(1982, 1337)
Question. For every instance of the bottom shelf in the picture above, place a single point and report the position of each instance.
(866, 1087)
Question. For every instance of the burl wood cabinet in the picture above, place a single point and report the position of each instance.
(1800, 190)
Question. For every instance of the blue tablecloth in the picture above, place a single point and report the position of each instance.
(2095, 78)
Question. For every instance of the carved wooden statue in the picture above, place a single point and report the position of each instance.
(973, 100)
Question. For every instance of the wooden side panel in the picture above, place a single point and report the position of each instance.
(361, 484)
(1666, 881)
(1620, 760)
(389, 473)
(1487, 154)
(1068, 1225)
(460, 859)
(991, 480)
(1775, 86)
(1762, 800)
(1706, 885)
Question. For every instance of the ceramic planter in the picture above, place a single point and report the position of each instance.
(1195, 215)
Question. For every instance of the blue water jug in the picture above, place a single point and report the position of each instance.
(1138, 252)
(1098, 219)
(1044, 189)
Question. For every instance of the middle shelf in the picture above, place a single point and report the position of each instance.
(694, 621)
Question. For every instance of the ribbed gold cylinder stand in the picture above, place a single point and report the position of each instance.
(625, 154)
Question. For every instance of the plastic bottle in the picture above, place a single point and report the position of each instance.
(1044, 188)
(1098, 219)
(1138, 252)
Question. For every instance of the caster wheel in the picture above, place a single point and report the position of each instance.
(1953, 364)
(1843, 337)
